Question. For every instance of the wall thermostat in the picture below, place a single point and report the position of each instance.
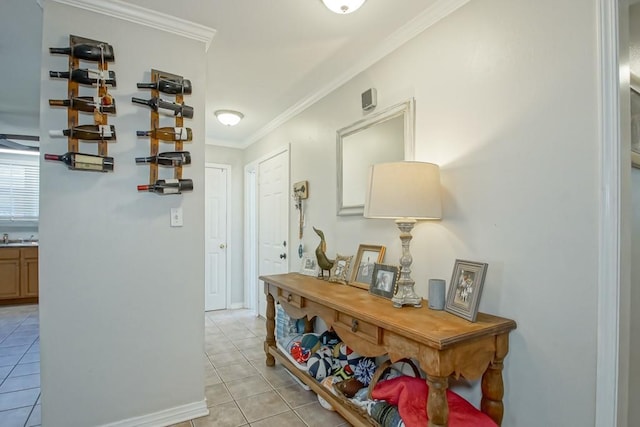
(369, 99)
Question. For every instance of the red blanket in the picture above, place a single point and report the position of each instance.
(410, 396)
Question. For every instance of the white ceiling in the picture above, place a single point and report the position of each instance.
(268, 59)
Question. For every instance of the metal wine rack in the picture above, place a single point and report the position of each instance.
(73, 89)
(157, 76)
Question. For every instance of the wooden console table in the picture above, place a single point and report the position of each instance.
(443, 344)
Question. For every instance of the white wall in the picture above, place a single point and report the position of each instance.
(233, 157)
(121, 293)
(505, 104)
(634, 356)
(634, 353)
(19, 123)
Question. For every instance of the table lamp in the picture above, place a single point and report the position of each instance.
(406, 192)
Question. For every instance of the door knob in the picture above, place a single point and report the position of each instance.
(283, 256)
(222, 246)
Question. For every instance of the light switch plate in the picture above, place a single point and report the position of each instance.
(176, 217)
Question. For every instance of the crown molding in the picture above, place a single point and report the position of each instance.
(420, 23)
(147, 17)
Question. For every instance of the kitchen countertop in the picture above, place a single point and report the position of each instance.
(18, 244)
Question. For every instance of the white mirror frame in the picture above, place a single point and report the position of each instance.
(407, 111)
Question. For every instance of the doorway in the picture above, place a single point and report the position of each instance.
(267, 224)
(217, 224)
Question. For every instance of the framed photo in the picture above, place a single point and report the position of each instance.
(309, 265)
(635, 121)
(465, 289)
(340, 269)
(384, 280)
(362, 268)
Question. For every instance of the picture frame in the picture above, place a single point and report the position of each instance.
(362, 267)
(465, 289)
(339, 273)
(384, 280)
(635, 120)
(309, 265)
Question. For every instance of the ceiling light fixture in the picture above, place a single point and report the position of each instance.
(343, 6)
(229, 117)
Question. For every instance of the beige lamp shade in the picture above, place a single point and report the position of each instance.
(403, 190)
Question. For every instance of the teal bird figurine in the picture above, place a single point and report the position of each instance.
(323, 262)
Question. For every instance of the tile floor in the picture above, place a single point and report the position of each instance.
(240, 389)
(19, 366)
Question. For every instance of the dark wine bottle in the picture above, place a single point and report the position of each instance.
(169, 158)
(168, 133)
(99, 52)
(156, 103)
(88, 132)
(168, 186)
(86, 77)
(81, 161)
(104, 104)
(172, 87)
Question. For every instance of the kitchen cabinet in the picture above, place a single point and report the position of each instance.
(29, 272)
(18, 274)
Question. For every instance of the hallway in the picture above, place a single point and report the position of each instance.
(240, 389)
(19, 366)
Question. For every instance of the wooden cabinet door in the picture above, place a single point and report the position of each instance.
(9, 278)
(29, 272)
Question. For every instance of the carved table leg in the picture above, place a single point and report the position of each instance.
(270, 341)
(492, 385)
(437, 407)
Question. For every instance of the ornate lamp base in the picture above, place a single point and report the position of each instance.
(405, 294)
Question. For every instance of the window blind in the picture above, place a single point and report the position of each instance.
(19, 187)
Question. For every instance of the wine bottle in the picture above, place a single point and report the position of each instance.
(81, 161)
(157, 103)
(168, 186)
(172, 87)
(169, 158)
(104, 104)
(168, 133)
(86, 76)
(89, 52)
(88, 132)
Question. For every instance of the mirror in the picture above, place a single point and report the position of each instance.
(386, 136)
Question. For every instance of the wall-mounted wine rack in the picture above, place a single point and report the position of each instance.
(102, 99)
(178, 84)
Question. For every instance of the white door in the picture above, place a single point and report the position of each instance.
(273, 220)
(215, 226)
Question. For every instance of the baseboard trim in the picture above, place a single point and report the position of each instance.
(166, 417)
(236, 305)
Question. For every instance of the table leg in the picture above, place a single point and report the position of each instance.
(308, 325)
(492, 385)
(270, 340)
(437, 407)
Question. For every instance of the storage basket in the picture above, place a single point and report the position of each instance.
(378, 374)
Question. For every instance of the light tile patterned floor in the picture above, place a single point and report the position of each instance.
(240, 389)
(19, 366)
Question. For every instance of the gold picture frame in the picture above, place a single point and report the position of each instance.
(340, 269)
(362, 268)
